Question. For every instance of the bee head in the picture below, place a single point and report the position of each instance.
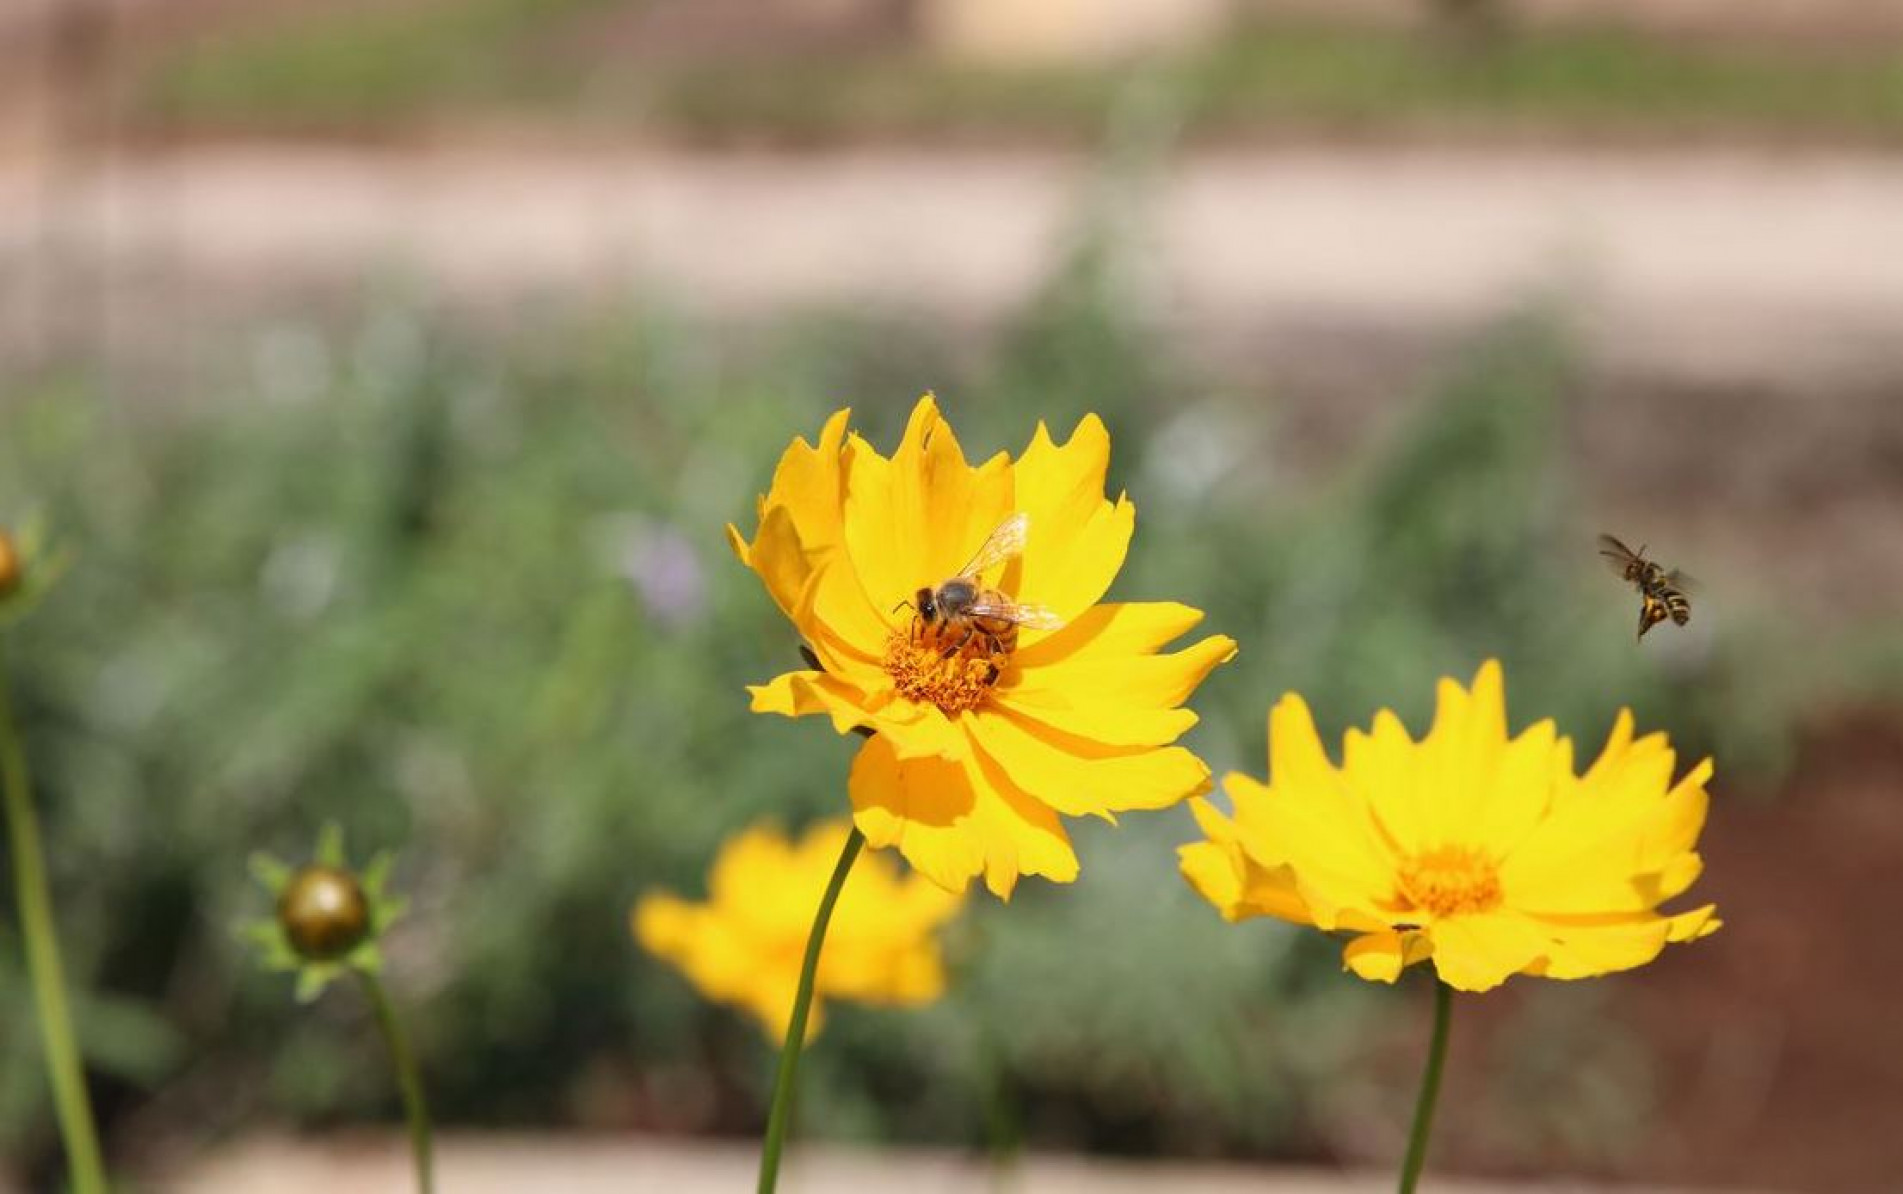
(926, 605)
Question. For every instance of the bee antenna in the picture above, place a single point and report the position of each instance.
(903, 605)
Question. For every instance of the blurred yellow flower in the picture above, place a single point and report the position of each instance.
(1483, 853)
(744, 945)
(976, 752)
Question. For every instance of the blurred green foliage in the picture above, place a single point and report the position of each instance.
(347, 67)
(472, 601)
(381, 71)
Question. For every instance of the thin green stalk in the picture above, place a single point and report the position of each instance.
(1430, 1088)
(408, 1080)
(1003, 1134)
(70, 1101)
(782, 1111)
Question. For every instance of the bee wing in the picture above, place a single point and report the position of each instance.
(1033, 617)
(1681, 581)
(1617, 554)
(1004, 544)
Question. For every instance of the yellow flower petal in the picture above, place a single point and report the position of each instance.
(1081, 536)
(1110, 724)
(909, 729)
(746, 944)
(777, 555)
(1114, 630)
(1468, 734)
(1077, 776)
(1310, 819)
(663, 923)
(1377, 957)
(1586, 946)
(1623, 849)
(1477, 953)
(918, 518)
(1586, 950)
(808, 482)
(1381, 767)
(1690, 926)
(837, 603)
(797, 694)
(1225, 875)
(1141, 681)
(1508, 795)
(1216, 874)
(799, 517)
(952, 822)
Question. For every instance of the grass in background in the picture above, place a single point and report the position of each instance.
(360, 66)
(382, 72)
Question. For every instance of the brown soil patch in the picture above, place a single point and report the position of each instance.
(1779, 1039)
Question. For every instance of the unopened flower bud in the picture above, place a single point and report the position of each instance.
(323, 912)
(10, 565)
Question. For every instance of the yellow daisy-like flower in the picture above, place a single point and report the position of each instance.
(744, 945)
(980, 741)
(1483, 853)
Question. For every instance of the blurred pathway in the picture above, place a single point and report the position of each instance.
(584, 1165)
(1737, 262)
(1742, 309)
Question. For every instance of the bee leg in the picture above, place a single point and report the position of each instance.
(958, 646)
(997, 658)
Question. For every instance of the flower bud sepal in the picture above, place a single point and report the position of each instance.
(29, 568)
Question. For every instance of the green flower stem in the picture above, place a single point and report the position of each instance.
(409, 1081)
(782, 1110)
(1430, 1088)
(1003, 1133)
(70, 1101)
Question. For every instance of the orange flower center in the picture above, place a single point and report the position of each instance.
(1450, 880)
(921, 670)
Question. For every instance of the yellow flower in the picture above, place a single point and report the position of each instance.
(1483, 853)
(976, 752)
(745, 945)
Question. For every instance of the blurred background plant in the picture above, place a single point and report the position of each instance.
(474, 602)
(452, 572)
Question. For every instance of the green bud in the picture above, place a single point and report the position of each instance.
(323, 912)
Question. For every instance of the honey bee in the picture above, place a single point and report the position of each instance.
(960, 609)
(1661, 592)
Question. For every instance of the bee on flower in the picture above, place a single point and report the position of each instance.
(955, 614)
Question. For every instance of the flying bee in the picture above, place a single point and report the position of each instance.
(960, 609)
(1661, 592)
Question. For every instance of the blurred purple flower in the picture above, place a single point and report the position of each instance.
(662, 565)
